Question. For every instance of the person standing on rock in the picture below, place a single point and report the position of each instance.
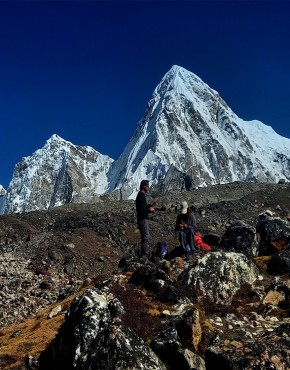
(143, 210)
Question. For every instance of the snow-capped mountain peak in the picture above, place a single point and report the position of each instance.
(189, 129)
(58, 173)
(188, 137)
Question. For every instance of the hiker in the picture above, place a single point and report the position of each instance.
(186, 226)
(143, 210)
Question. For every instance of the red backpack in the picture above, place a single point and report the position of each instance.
(203, 247)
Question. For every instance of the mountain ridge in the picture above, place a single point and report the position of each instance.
(188, 137)
(59, 173)
(207, 122)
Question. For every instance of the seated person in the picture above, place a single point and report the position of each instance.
(185, 226)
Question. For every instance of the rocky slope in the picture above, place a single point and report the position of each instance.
(224, 307)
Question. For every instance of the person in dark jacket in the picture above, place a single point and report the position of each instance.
(143, 210)
(186, 226)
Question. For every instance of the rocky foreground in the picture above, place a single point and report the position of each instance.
(74, 294)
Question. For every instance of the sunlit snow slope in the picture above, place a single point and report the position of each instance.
(191, 130)
(57, 174)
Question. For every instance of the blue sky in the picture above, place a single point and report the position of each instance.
(86, 70)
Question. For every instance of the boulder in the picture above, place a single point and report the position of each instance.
(168, 346)
(211, 239)
(150, 277)
(240, 238)
(154, 279)
(274, 234)
(279, 264)
(273, 298)
(219, 275)
(192, 360)
(93, 336)
(189, 328)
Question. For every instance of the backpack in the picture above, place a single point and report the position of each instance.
(201, 245)
(160, 250)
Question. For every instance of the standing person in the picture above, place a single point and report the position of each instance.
(143, 209)
(186, 226)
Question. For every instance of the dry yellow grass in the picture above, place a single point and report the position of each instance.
(30, 337)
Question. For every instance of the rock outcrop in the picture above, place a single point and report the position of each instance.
(94, 337)
(240, 238)
(217, 276)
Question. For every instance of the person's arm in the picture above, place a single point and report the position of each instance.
(191, 222)
(179, 222)
(150, 206)
(154, 201)
(142, 205)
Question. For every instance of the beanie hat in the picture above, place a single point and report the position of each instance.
(184, 207)
(144, 183)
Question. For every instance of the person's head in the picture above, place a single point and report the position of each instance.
(193, 208)
(144, 185)
(183, 207)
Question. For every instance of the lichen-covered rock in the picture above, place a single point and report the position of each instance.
(94, 337)
(218, 275)
(189, 328)
(273, 298)
(193, 360)
(240, 238)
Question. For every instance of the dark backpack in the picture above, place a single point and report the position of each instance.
(160, 250)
